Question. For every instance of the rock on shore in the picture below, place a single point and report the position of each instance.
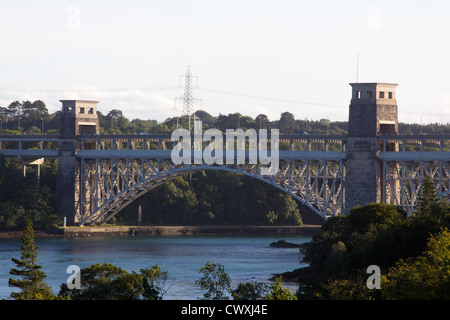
(295, 275)
(284, 244)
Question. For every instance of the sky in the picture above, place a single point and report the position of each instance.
(249, 56)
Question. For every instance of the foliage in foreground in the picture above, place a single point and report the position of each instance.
(383, 235)
(108, 282)
(424, 277)
(215, 281)
(31, 281)
(279, 292)
(216, 284)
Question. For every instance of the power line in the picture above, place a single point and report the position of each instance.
(189, 99)
(271, 98)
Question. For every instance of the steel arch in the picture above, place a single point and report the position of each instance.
(107, 186)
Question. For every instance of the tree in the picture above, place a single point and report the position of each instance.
(5, 112)
(424, 277)
(250, 291)
(153, 283)
(15, 108)
(280, 292)
(35, 110)
(32, 285)
(230, 121)
(115, 118)
(287, 124)
(104, 282)
(215, 281)
(262, 121)
(22, 198)
(374, 215)
(428, 198)
(115, 114)
(109, 282)
(208, 120)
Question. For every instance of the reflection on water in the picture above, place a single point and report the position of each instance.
(244, 258)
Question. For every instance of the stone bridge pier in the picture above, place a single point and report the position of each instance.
(373, 112)
(78, 117)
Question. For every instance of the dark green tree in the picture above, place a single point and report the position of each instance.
(262, 121)
(35, 111)
(286, 124)
(15, 109)
(250, 291)
(424, 277)
(215, 281)
(280, 292)
(104, 282)
(208, 121)
(428, 198)
(32, 284)
(109, 282)
(154, 282)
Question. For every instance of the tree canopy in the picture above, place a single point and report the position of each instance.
(406, 248)
(109, 282)
(31, 281)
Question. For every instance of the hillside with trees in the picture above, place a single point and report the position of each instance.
(412, 252)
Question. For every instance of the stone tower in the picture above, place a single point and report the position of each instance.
(78, 117)
(373, 112)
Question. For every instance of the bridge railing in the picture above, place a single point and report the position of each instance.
(414, 147)
(421, 147)
(164, 141)
(318, 147)
(47, 146)
(32, 146)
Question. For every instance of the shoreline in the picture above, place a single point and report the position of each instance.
(112, 231)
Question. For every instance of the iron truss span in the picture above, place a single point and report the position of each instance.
(407, 160)
(108, 185)
(116, 170)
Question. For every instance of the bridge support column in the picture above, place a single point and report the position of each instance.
(373, 112)
(363, 175)
(68, 169)
(78, 117)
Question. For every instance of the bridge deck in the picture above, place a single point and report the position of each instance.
(310, 147)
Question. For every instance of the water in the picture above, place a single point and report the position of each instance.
(244, 258)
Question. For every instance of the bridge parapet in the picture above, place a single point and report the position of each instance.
(160, 141)
(29, 146)
(164, 142)
(422, 143)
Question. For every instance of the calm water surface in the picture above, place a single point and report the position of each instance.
(244, 258)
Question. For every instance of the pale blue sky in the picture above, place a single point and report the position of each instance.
(250, 56)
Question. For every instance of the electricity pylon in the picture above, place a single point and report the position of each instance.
(189, 99)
